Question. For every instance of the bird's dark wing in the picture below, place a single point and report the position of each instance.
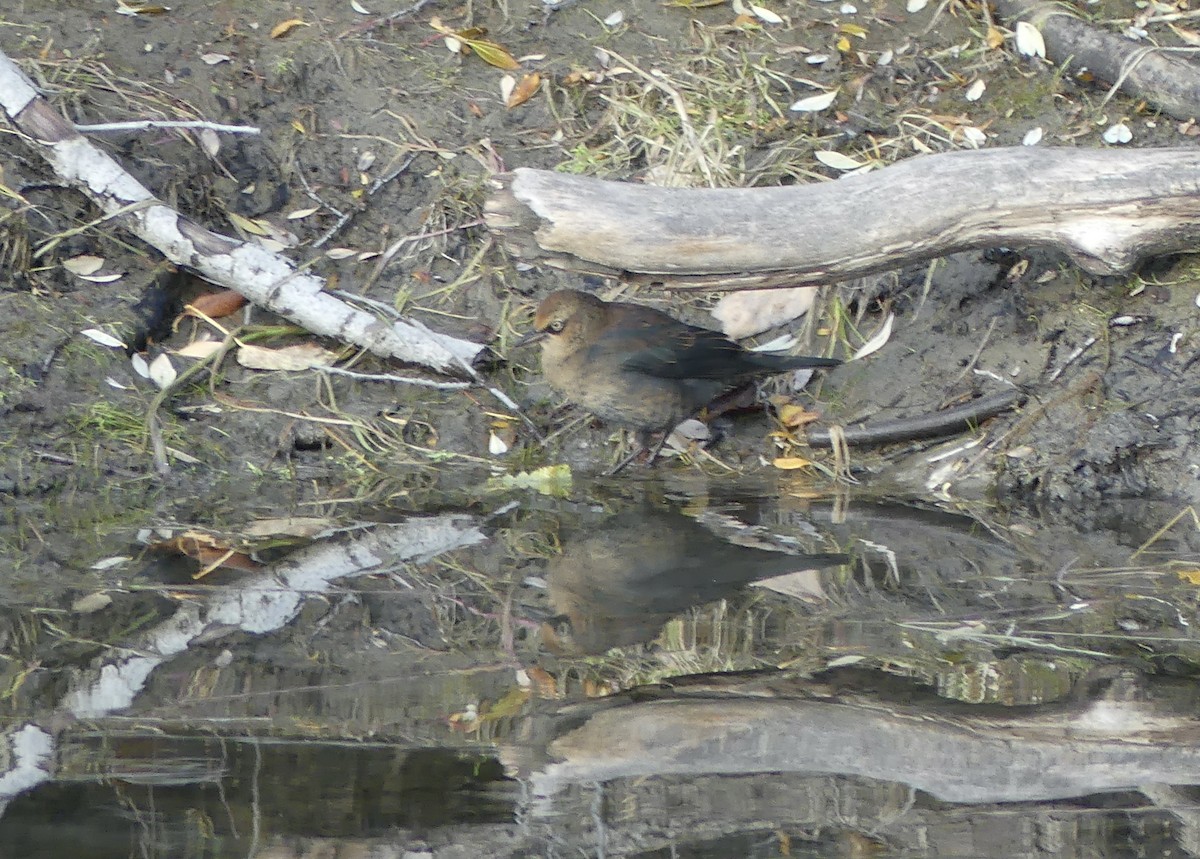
(687, 352)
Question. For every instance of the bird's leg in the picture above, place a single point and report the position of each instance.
(642, 437)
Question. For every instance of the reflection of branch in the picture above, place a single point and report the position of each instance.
(264, 277)
(262, 603)
(1109, 746)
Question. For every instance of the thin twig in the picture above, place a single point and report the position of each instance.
(143, 124)
(404, 380)
(376, 23)
(1072, 358)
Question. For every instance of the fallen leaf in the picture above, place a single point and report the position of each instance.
(765, 14)
(792, 416)
(247, 225)
(162, 371)
(525, 90)
(284, 27)
(493, 54)
(875, 343)
(302, 356)
(814, 102)
(837, 160)
(103, 338)
(791, 463)
(84, 264)
(1029, 40)
(91, 603)
(199, 349)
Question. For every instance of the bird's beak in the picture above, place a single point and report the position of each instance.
(531, 337)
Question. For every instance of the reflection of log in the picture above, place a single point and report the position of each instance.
(1111, 746)
(1142, 70)
(1107, 209)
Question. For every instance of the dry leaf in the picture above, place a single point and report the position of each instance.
(765, 14)
(876, 342)
(837, 160)
(493, 54)
(247, 225)
(302, 356)
(791, 463)
(302, 213)
(199, 349)
(507, 84)
(100, 278)
(814, 102)
(91, 603)
(1118, 133)
(138, 362)
(284, 27)
(84, 264)
(1029, 40)
(524, 91)
(792, 416)
(162, 371)
(102, 337)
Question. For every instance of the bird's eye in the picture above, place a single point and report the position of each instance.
(556, 326)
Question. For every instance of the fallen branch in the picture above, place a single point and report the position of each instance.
(1107, 209)
(1160, 75)
(937, 424)
(265, 278)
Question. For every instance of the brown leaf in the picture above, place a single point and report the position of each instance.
(214, 305)
(526, 88)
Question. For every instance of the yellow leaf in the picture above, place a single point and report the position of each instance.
(843, 44)
(492, 54)
(1192, 577)
(853, 30)
(299, 126)
(525, 90)
(247, 225)
(791, 463)
(284, 27)
(994, 38)
(792, 415)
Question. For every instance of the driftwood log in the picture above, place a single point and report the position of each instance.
(1163, 76)
(1107, 209)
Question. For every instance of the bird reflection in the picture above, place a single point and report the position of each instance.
(617, 583)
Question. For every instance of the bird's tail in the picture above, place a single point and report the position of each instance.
(779, 363)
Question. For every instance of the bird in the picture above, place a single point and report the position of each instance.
(638, 367)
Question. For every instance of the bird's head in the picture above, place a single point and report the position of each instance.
(566, 315)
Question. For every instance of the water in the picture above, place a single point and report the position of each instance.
(643, 668)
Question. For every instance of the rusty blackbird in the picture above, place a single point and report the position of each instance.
(638, 367)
